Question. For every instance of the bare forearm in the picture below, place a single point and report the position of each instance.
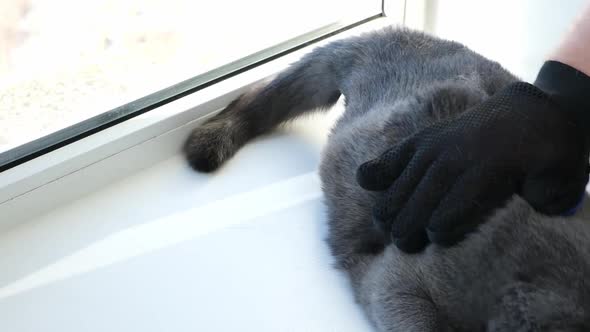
(574, 49)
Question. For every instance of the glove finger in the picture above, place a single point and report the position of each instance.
(408, 228)
(413, 243)
(476, 194)
(393, 200)
(555, 192)
(378, 174)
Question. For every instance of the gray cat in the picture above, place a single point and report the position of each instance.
(520, 271)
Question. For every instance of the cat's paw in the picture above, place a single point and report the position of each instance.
(209, 145)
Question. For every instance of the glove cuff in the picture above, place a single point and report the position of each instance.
(569, 88)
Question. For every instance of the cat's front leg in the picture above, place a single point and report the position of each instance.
(310, 84)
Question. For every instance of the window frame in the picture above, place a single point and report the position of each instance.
(55, 140)
(39, 184)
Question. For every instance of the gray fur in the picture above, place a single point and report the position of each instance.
(519, 272)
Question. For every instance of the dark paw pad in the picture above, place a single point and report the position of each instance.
(202, 163)
(205, 149)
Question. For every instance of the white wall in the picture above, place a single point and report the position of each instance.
(518, 34)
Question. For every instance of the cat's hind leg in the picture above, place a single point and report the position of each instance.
(408, 313)
(395, 298)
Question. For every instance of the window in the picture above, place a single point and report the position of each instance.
(71, 68)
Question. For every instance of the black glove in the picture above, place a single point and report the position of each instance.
(440, 183)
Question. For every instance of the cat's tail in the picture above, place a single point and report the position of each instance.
(310, 84)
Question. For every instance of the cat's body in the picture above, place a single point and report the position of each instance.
(519, 272)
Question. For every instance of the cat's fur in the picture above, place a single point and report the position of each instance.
(520, 271)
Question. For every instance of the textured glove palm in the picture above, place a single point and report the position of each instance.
(440, 183)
